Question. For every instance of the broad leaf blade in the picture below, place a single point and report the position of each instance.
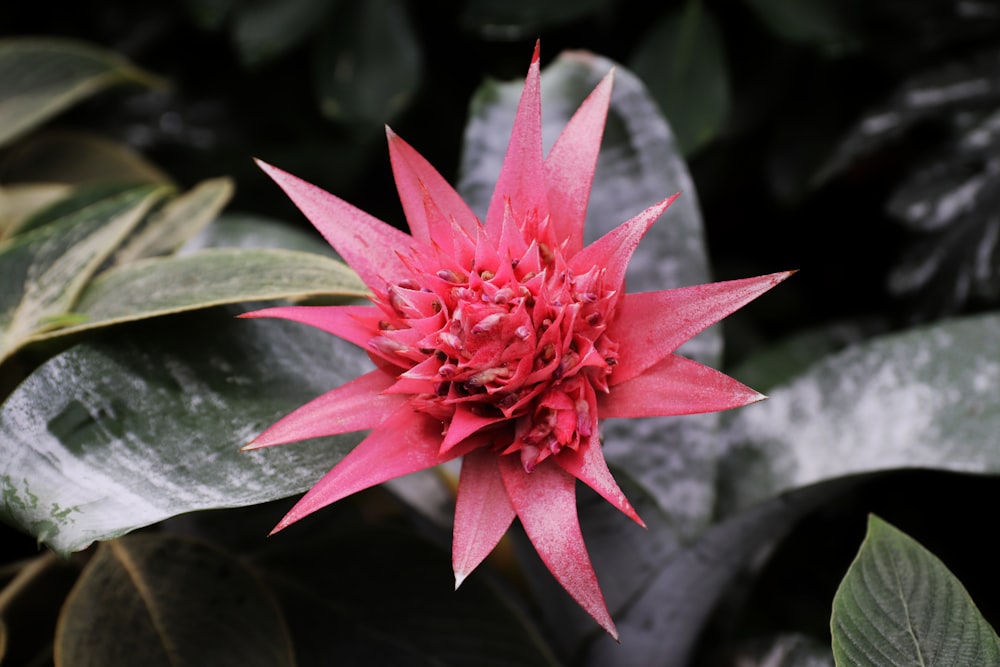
(250, 231)
(78, 158)
(44, 271)
(42, 77)
(683, 62)
(822, 24)
(265, 29)
(925, 398)
(113, 435)
(398, 606)
(157, 287)
(899, 606)
(368, 63)
(178, 602)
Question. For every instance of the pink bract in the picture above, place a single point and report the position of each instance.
(504, 343)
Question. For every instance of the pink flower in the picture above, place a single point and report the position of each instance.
(504, 343)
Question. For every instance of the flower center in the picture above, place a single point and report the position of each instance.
(519, 343)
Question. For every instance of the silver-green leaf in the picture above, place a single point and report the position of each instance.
(148, 423)
(44, 270)
(924, 398)
(41, 77)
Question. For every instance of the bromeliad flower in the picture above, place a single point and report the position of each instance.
(504, 343)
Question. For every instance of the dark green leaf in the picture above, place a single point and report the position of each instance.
(520, 19)
(77, 158)
(44, 270)
(368, 63)
(398, 605)
(158, 600)
(820, 23)
(266, 29)
(134, 428)
(209, 14)
(682, 61)
(41, 77)
(899, 606)
(924, 398)
(29, 607)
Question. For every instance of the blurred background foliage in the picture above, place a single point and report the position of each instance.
(811, 127)
(856, 140)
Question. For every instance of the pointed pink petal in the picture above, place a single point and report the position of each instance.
(614, 250)
(545, 501)
(355, 406)
(429, 201)
(651, 325)
(588, 465)
(522, 176)
(569, 167)
(355, 324)
(365, 242)
(483, 512)
(406, 442)
(464, 423)
(676, 386)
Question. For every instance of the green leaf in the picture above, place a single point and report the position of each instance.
(29, 606)
(822, 24)
(788, 358)
(44, 270)
(179, 221)
(78, 158)
(899, 606)
(239, 230)
(683, 62)
(924, 398)
(209, 14)
(159, 600)
(518, 19)
(41, 77)
(19, 201)
(147, 423)
(157, 287)
(368, 63)
(265, 29)
(398, 606)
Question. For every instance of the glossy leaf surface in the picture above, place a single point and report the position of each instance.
(116, 434)
(159, 600)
